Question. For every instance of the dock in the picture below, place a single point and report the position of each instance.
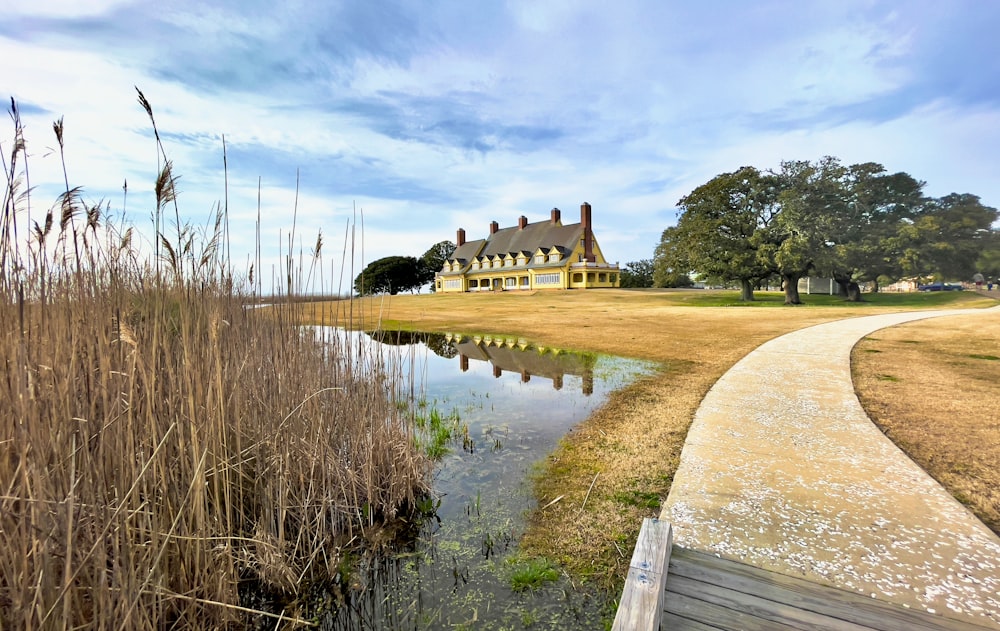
(671, 588)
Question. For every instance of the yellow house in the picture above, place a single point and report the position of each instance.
(545, 255)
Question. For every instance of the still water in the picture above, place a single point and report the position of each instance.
(517, 400)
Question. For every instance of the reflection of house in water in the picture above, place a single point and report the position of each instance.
(518, 356)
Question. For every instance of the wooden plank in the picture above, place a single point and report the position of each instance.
(673, 622)
(642, 598)
(798, 592)
(718, 616)
(758, 607)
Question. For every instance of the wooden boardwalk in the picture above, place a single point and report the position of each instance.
(706, 593)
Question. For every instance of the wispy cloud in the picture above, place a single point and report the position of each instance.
(429, 118)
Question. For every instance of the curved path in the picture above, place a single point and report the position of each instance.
(783, 469)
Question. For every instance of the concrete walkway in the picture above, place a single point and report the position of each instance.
(782, 469)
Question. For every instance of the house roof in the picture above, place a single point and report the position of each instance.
(467, 251)
(543, 235)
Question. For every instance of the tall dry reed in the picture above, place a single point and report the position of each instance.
(162, 444)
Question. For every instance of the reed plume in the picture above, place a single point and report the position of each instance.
(164, 446)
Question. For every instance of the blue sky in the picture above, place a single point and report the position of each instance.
(430, 116)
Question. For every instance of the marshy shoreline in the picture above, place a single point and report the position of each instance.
(613, 469)
(168, 455)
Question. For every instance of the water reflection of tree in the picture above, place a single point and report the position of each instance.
(440, 345)
(436, 342)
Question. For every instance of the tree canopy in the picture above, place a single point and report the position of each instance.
(723, 225)
(433, 260)
(854, 224)
(391, 275)
(989, 259)
(637, 274)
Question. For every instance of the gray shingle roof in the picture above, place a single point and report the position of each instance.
(467, 251)
(514, 240)
(533, 236)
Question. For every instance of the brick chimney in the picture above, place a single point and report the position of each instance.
(556, 216)
(460, 237)
(494, 226)
(522, 221)
(588, 233)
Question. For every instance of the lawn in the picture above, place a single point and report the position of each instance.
(933, 387)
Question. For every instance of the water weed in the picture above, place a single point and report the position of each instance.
(530, 573)
(435, 432)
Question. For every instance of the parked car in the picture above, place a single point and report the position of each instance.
(939, 287)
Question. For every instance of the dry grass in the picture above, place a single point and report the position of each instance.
(162, 446)
(150, 464)
(933, 387)
(632, 445)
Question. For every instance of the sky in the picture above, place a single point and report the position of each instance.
(387, 125)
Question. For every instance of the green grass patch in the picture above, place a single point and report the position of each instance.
(907, 300)
(887, 378)
(991, 358)
(435, 431)
(641, 499)
(528, 574)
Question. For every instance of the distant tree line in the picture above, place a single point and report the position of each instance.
(393, 274)
(643, 273)
(855, 224)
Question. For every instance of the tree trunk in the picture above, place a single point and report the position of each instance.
(843, 284)
(746, 290)
(854, 292)
(791, 286)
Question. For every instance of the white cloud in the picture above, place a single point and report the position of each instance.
(62, 8)
(475, 113)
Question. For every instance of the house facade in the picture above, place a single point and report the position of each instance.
(543, 255)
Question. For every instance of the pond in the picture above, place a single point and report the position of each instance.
(516, 400)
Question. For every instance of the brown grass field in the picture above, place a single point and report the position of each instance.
(934, 388)
(621, 461)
